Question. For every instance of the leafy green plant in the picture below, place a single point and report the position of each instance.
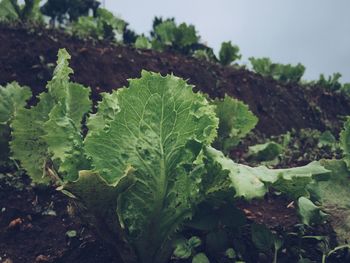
(62, 11)
(146, 162)
(11, 11)
(185, 249)
(206, 54)
(87, 26)
(284, 73)
(157, 21)
(327, 139)
(142, 42)
(104, 26)
(345, 89)
(168, 35)
(235, 122)
(228, 53)
(330, 84)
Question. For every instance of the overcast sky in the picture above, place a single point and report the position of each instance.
(315, 33)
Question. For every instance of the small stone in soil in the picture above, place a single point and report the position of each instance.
(42, 258)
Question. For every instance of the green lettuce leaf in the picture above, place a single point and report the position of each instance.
(254, 182)
(235, 122)
(47, 137)
(63, 128)
(108, 107)
(158, 132)
(265, 152)
(28, 145)
(309, 212)
(13, 97)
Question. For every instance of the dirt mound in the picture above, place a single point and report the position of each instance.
(26, 55)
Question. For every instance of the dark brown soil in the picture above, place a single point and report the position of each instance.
(34, 225)
(34, 222)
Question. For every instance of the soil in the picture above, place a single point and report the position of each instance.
(34, 227)
(35, 223)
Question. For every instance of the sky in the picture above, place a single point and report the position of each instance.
(315, 33)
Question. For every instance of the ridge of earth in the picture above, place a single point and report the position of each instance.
(27, 55)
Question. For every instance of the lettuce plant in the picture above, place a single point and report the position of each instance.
(166, 34)
(179, 36)
(142, 42)
(104, 26)
(235, 122)
(284, 73)
(331, 83)
(206, 54)
(68, 10)
(11, 11)
(146, 163)
(228, 53)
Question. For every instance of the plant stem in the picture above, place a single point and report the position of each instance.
(275, 256)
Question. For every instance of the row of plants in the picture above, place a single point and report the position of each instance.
(292, 74)
(85, 19)
(144, 171)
